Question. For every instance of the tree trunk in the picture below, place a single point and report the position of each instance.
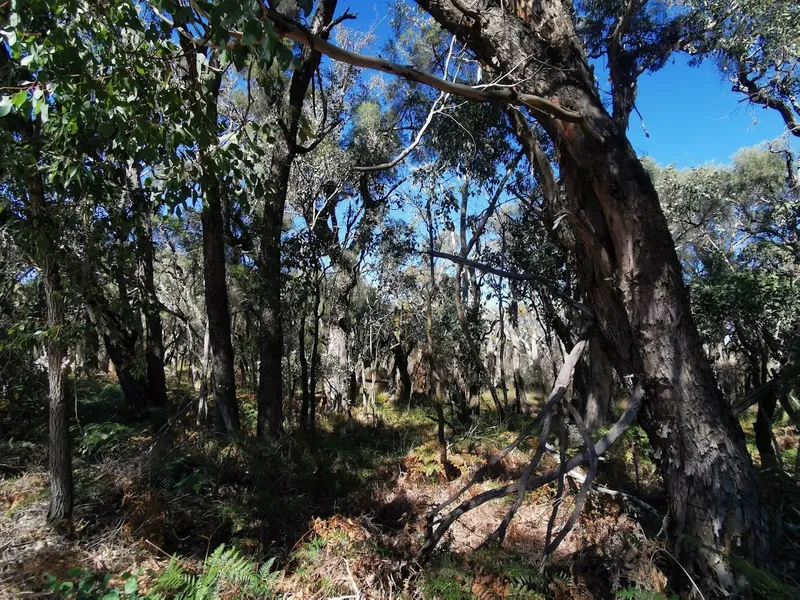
(337, 366)
(59, 511)
(312, 414)
(202, 404)
(270, 386)
(154, 334)
(284, 151)
(763, 430)
(599, 386)
(214, 270)
(303, 371)
(403, 378)
(520, 395)
(629, 266)
(91, 345)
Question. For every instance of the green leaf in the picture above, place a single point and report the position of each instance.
(19, 98)
(5, 105)
(112, 595)
(107, 129)
(253, 32)
(131, 586)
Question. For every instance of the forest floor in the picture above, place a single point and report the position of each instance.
(336, 515)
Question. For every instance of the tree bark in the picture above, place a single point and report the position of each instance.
(303, 371)
(204, 109)
(403, 378)
(154, 333)
(270, 392)
(600, 385)
(59, 511)
(629, 267)
(91, 345)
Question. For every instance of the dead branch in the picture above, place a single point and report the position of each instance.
(591, 454)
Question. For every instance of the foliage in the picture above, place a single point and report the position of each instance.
(639, 594)
(103, 437)
(85, 584)
(225, 571)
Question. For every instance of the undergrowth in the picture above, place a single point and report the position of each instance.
(315, 515)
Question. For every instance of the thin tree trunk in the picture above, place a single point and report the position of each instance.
(304, 406)
(154, 333)
(60, 460)
(91, 342)
(214, 270)
(502, 349)
(520, 397)
(462, 287)
(202, 405)
(312, 415)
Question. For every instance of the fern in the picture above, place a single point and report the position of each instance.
(225, 570)
(637, 594)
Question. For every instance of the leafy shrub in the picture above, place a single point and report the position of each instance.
(85, 584)
(103, 437)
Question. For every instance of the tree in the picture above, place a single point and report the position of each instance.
(736, 235)
(632, 276)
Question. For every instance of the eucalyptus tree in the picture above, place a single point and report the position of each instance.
(735, 230)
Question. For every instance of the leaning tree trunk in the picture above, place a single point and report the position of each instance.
(630, 269)
(60, 460)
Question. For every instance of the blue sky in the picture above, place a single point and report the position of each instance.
(693, 117)
(691, 113)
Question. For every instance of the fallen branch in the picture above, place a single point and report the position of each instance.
(533, 483)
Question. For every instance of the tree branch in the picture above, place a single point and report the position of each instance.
(624, 422)
(515, 277)
(287, 28)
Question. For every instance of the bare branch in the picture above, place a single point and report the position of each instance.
(550, 285)
(625, 421)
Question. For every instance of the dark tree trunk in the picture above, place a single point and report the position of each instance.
(219, 317)
(122, 347)
(91, 346)
(59, 511)
(204, 106)
(270, 390)
(303, 372)
(312, 416)
(763, 430)
(403, 378)
(628, 265)
(600, 386)
(154, 334)
(270, 387)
